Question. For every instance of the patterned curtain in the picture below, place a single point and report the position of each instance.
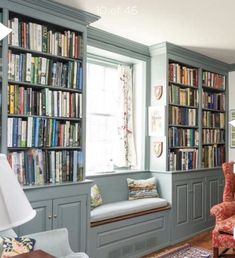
(125, 149)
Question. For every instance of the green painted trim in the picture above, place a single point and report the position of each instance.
(231, 67)
(180, 52)
(108, 41)
(52, 8)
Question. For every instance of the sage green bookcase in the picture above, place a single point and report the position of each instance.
(59, 203)
(195, 113)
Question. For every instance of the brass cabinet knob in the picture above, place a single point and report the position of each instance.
(49, 217)
(55, 216)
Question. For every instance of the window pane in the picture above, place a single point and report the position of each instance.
(102, 101)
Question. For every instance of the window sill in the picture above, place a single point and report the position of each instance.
(115, 173)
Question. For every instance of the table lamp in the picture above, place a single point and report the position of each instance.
(15, 208)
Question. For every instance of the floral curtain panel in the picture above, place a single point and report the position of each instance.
(126, 152)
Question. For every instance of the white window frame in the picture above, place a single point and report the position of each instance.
(139, 94)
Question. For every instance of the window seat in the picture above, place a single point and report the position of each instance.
(116, 211)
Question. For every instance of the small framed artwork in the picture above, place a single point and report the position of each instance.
(232, 129)
(156, 121)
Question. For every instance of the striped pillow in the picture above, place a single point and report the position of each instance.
(144, 188)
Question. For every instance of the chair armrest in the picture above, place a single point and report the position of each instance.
(223, 210)
(54, 242)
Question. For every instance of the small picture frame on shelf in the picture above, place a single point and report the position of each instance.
(232, 129)
(156, 121)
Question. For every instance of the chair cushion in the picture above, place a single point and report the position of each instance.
(227, 225)
(115, 209)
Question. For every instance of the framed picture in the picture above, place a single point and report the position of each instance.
(156, 121)
(232, 129)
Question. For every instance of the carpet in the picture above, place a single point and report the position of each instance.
(184, 251)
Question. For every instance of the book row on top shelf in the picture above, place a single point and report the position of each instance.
(44, 38)
(45, 87)
(183, 128)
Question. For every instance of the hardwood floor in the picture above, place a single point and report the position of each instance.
(203, 240)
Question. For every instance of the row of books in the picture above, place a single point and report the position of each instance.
(181, 96)
(45, 102)
(41, 132)
(38, 167)
(182, 137)
(213, 136)
(183, 159)
(182, 116)
(184, 75)
(39, 37)
(213, 156)
(213, 100)
(213, 80)
(211, 119)
(26, 67)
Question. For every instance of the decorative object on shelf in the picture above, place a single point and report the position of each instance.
(158, 91)
(156, 121)
(158, 148)
(232, 130)
(4, 31)
(15, 208)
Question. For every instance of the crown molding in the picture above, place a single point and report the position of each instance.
(53, 8)
(175, 50)
(100, 36)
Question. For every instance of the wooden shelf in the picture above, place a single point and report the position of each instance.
(213, 110)
(183, 126)
(207, 88)
(43, 148)
(44, 54)
(184, 106)
(40, 86)
(183, 85)
(47, 117)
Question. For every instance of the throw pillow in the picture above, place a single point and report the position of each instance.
(14, 246)
(144, 188)
(96, 198)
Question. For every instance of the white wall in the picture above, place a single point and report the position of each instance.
(231, 106)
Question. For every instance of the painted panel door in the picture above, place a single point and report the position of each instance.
(182, 206)
(71, 213)
(198, 200)
(42, 220)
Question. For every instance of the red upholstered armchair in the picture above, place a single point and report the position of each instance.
(222, 235)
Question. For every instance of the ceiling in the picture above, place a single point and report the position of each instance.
(205, 26)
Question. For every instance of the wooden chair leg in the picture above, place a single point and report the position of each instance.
(215, 252)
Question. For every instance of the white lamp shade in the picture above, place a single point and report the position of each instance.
(4, 31)
(15, 208)
(232, 123)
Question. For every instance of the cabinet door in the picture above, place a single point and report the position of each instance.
(182, 202)
(71, 213)
(188, 208)
(42, 220)
(198, 200)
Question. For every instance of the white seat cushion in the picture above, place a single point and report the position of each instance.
(115, 209)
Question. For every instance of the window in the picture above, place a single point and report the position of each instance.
(105, 138)
(102, 105)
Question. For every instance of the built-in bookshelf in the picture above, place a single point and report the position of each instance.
(183, 129)
(45, 89)
(213, 119)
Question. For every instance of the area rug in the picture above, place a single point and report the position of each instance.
(184, 251)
